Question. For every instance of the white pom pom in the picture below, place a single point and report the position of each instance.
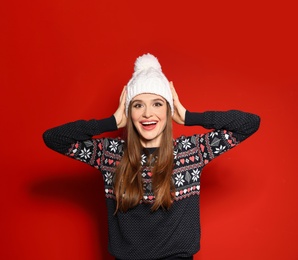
(146, 61)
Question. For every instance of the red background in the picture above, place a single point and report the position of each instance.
(68, 60)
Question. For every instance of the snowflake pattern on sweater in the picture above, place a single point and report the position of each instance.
(191, 154)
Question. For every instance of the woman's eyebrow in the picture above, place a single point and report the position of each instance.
(158, 99)
(152, 100)
(136, 100)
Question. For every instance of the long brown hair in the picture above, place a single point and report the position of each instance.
(128, 184)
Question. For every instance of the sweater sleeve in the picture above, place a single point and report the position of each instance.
(241, 124)
(61, 138)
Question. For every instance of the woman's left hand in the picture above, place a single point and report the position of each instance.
(120, 115)
(179, 110)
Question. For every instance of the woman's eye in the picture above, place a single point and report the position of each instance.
(157, 104)
(137, 105)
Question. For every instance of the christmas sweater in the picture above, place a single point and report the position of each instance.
(139, 233)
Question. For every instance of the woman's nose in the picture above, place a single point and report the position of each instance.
(147, 112)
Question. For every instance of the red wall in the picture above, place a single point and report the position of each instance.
(67, 60)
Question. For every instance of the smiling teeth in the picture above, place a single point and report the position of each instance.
(148, 123)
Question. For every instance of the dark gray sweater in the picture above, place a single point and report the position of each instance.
(141, 234)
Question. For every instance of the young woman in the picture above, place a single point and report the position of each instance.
(152, 182)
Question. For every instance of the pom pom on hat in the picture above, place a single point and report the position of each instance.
(148, 78)
(145, 62)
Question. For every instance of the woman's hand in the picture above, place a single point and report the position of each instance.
(120, 115)
(179, 110)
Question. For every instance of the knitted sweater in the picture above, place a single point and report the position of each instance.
(141, 234)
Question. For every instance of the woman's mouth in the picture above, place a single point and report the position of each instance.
(148, 125)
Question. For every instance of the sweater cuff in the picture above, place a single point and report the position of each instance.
(108, 124)
(193, 118)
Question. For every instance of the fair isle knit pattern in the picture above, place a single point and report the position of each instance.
(191, 154)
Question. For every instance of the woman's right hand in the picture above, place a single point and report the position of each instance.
(120, 115)
(179, 109)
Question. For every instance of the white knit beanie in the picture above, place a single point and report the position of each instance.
(148, 78)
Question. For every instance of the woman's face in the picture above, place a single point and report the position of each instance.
(149, 116)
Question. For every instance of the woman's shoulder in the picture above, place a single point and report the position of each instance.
(185, 143)
(114, 145)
